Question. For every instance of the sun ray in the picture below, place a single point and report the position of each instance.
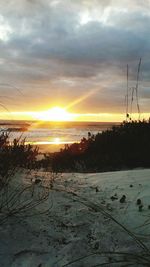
(82, 98)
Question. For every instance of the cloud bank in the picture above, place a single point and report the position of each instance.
(57, 51)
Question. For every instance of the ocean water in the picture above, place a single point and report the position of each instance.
(52, 136)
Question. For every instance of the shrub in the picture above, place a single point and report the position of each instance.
(17, 196)
(123, 146)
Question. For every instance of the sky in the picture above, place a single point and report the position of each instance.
(73, 54)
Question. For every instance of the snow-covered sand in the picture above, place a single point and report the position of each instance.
(81, 222)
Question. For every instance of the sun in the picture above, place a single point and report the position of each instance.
(55, 114)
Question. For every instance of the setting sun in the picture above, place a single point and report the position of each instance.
(55, 114)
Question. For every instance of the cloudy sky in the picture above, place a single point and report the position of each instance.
(73, 53)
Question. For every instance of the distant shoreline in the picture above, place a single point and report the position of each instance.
(49, 136)
(12, 122)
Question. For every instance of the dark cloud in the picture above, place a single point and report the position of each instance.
(71, 47)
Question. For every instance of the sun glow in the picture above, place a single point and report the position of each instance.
(55, 114)
(57, 141)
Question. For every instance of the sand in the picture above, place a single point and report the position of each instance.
(85, 219)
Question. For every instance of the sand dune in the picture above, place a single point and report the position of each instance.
(82, 223)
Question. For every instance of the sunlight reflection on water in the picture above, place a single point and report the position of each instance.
(53, 137)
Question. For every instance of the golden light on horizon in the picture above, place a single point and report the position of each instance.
(61, 114)
(55, 114)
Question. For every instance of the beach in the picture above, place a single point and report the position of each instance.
(85, 223)
(74, 133)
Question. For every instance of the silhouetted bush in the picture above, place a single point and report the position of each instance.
(121, 147)
(14, 155)
(20, 196)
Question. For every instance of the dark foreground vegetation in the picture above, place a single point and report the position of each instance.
(125, 146)
(15, 155)
(18, 198)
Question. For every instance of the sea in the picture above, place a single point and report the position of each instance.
(51, 136)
